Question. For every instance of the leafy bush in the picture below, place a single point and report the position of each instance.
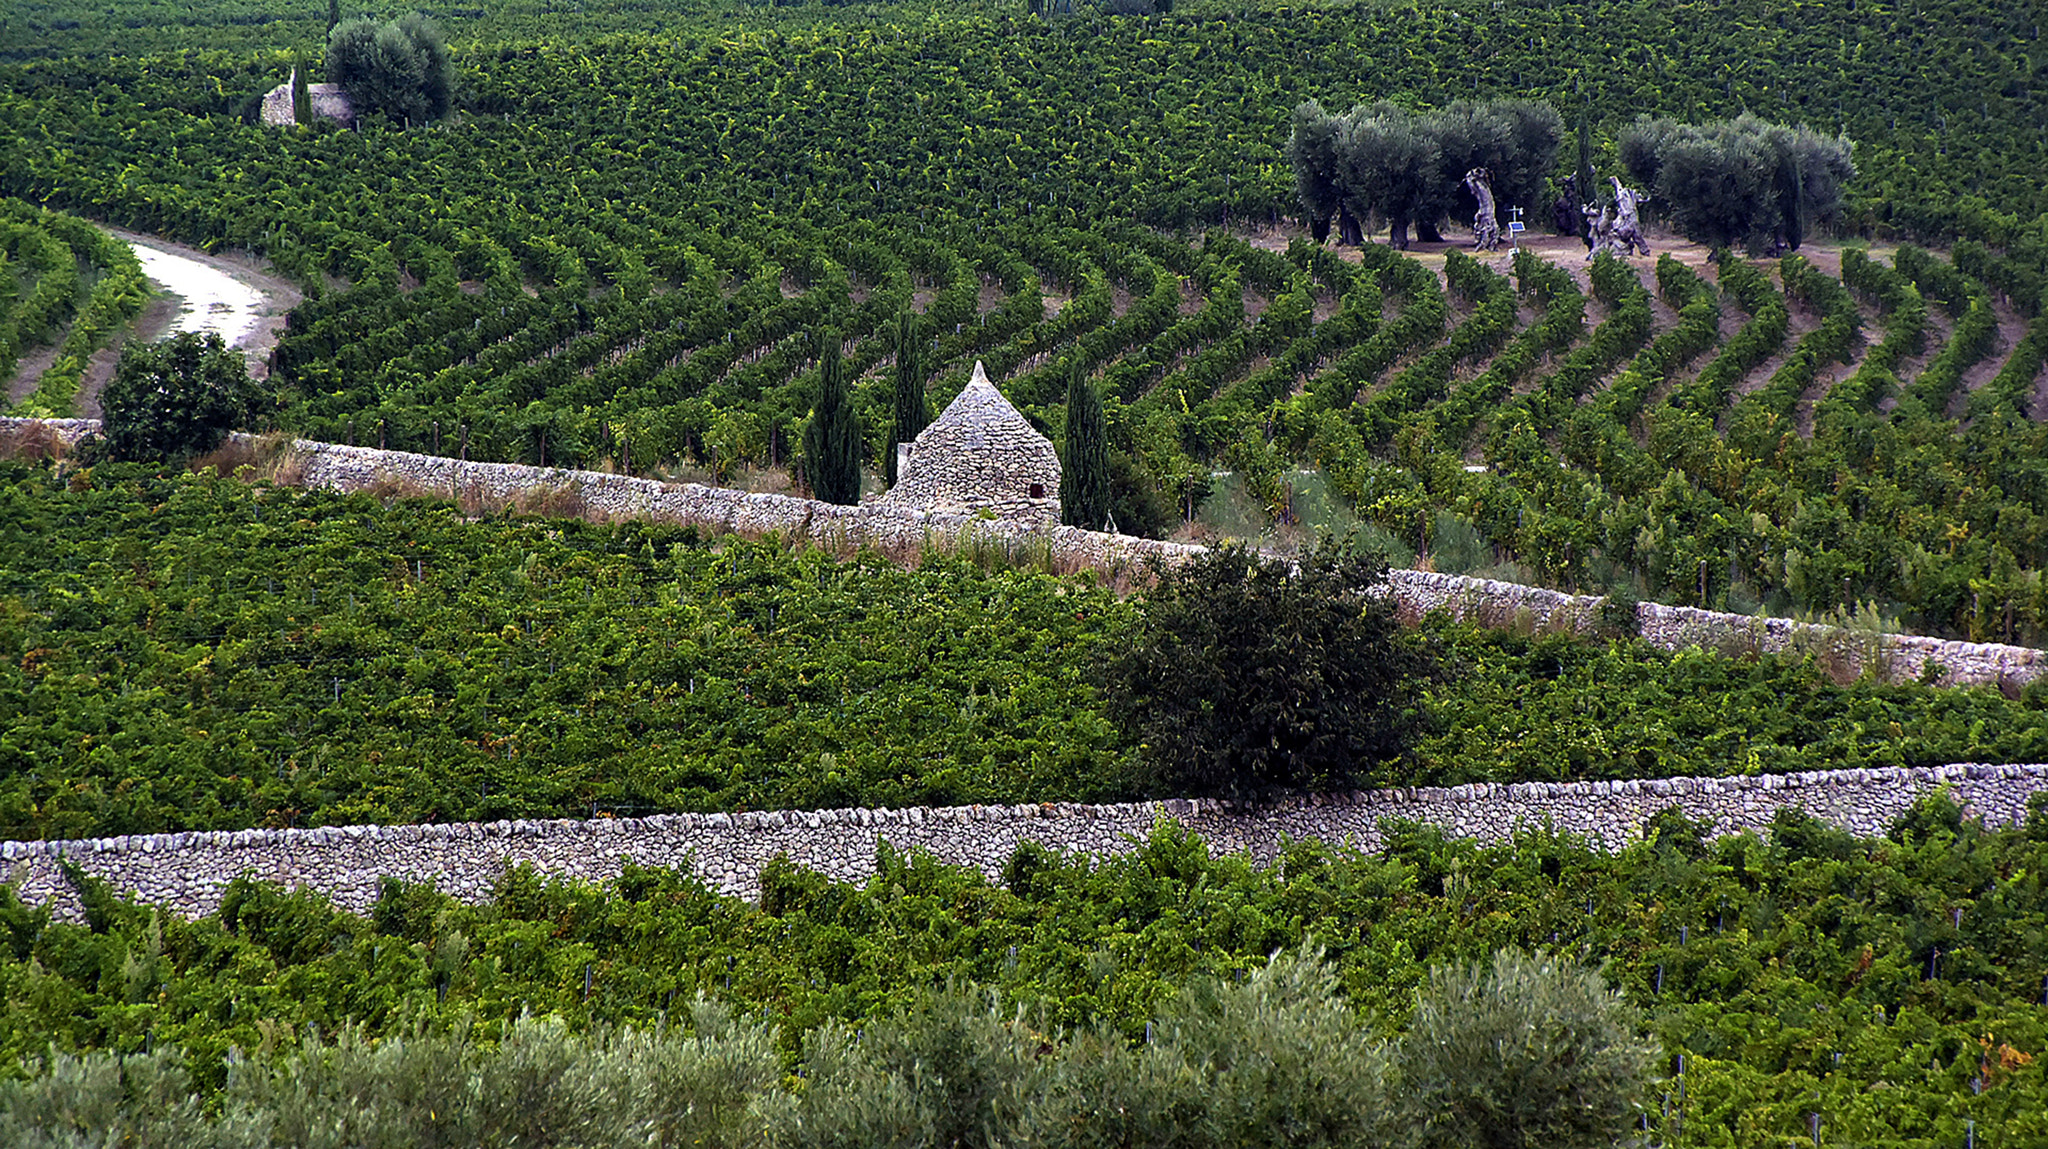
(1521, 1053)
(1251, 674)
(179, 397)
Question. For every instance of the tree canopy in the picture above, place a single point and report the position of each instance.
(832, 439)
(1252, 674)
(1381, 161)
(1742, 181)
(399, 68)
(179, 397)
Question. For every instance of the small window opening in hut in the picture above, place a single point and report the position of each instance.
(1038, 490)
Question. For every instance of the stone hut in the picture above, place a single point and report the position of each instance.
(979, 454)
(328, 100)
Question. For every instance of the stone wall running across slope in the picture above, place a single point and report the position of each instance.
(187, 872)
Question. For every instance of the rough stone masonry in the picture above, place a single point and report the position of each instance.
(187, 872)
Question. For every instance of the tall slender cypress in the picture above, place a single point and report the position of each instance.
(913, 414)
(302, 99)
(1588, 190)
(832, 440)
(1084, 467)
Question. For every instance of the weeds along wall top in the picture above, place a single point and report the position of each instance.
(188, 872)
(903, 531)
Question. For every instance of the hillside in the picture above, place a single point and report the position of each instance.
(621, 251)
(629, 246)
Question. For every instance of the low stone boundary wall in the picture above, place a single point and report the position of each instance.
(1847, 653)
(187, 872)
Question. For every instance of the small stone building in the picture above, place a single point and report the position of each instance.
(979, 454)
(328, 100)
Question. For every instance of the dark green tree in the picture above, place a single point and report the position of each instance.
(912, 412)
(178, 398)
(1312, 153)
(302, 100)
(1741, 182)
(399, 69)
(333, 15)
(1084, 465)
(832, 439)
(1589, 190)
(1525, 1051)
(1251, 675)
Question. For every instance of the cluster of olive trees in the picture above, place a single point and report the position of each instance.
(1522, 1051)
(1743, 181)
(400, 68)
(1382, 162)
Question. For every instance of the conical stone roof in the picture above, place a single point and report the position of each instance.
(980, 453)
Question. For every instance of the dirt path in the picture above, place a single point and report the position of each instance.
(252, 319)
(28, 370)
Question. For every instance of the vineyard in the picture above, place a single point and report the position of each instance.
(201, 654)
(619, 252)
(1888, 987)
(623, 251)
(65, 286)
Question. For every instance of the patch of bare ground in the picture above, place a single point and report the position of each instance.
(1119, 299)
(991, 295)
(791, 288)
(1526, 316)
(921, 299)
(1803, 323)
(29, 369)
(147, 327)
(1255, 305)
(471, 287)
(1271, 237)
(1326, 306)
(279, 295)
(1830, 374)
(859, 291)
(1191, 299)
(2011, 329)
(1662, 318)
(1939, 330)
(1056, 299)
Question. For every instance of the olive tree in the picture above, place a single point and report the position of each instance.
(1521, 1052)
(1744, 181)
(1383, 161)
(400, 68)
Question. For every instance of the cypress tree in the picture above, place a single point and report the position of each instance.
(1588, 190)
(912, 413)
(1084, 469)
(302, 100)
(832, 439)
(333, 14)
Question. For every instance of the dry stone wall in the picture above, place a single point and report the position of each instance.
(187, 872)
(897, 529)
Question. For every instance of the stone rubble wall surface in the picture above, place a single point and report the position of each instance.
(980, 452)
(187, 872)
